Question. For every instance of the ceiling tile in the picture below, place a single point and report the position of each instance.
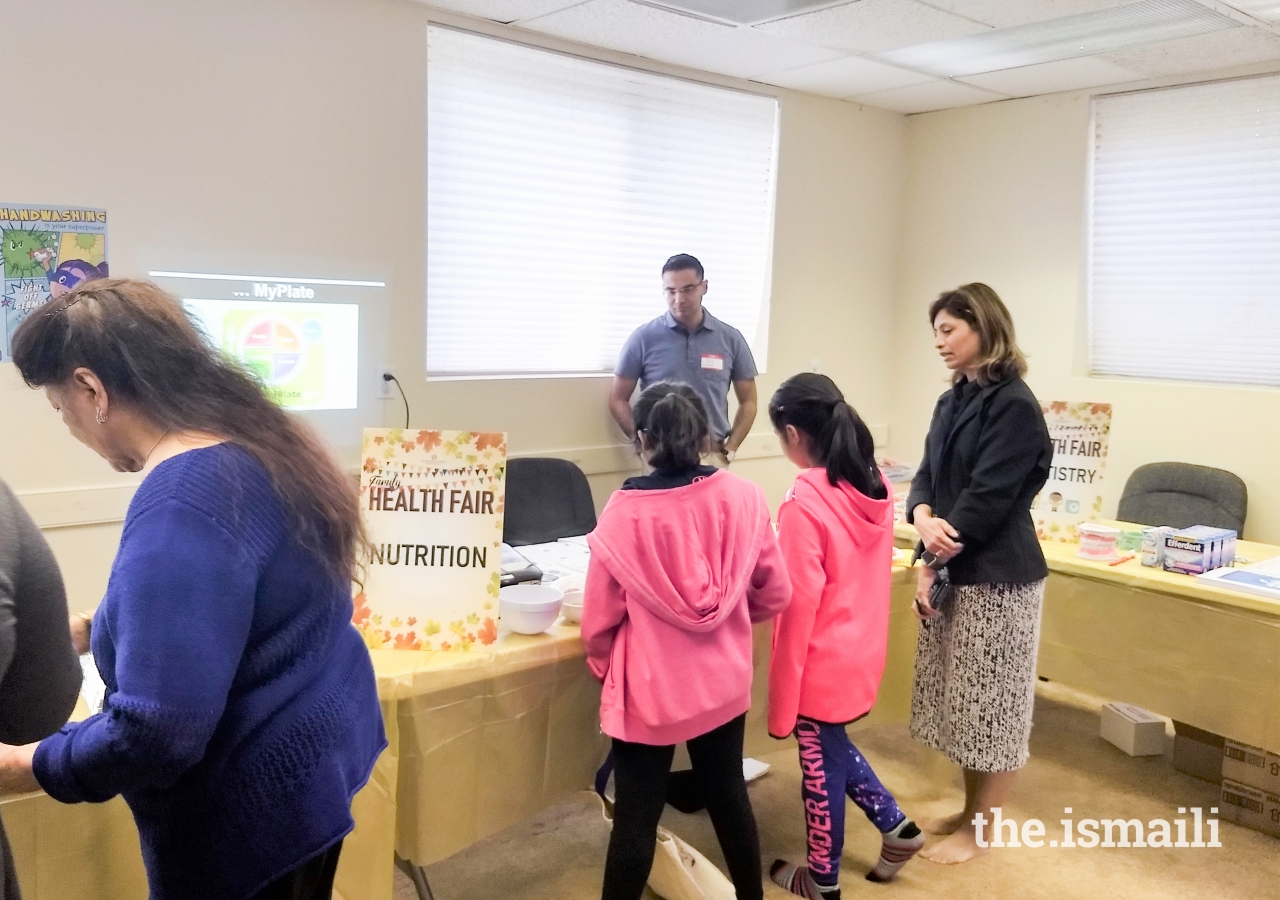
(873, 26)
(678, 39)
(1069, 37)
(744, 12)
(928, 97)
(845, 77)
(1266, 10)
(1221, 50)
(502, 10)
(1049, 78)
(1007, 13)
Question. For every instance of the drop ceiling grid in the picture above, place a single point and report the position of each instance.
(930, 96)
(678, 39)
(1010, 13)
(505, 11)
(873, 26)
(825, 51)
(845, 77)
(1204, 53)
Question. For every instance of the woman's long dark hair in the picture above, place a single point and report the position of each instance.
(837, 435)
(673, 420)
(149, 356)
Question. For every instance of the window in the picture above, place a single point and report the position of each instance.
(556, 189)
(1184, 255)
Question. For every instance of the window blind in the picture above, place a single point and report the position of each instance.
(556, 189)
(1184, 255)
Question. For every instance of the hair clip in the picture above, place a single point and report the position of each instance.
(65, 307)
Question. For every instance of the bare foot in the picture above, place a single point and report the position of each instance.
(959, 847)
(947, 825)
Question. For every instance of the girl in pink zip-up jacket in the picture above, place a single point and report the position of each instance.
(836, 531)
(683, 562)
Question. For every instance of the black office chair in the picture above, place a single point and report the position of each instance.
(1180, 494)
(547, 499)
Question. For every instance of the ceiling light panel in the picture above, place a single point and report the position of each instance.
(1266, 10)
(873, 26)
(747, 12)
(1086, 34)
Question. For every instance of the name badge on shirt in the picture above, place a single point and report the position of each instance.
(713, 361)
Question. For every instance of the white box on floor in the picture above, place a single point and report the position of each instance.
(1250, 807)
(1251, 765)
(1133, 729)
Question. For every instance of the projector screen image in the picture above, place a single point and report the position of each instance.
(305, 353)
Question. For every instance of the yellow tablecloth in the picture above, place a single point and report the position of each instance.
(481, 740)
(1194, 652)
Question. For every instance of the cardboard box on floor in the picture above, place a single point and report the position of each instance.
(1197, 752)
(1251, 766)
(1250, 807)
(1133, 729)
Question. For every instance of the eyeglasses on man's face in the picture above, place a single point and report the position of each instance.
(687, 291)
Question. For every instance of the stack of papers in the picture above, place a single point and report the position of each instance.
(1261, 578)
(559, 559)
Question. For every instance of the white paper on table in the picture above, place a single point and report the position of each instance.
(580, 540)
(512, 561)
(558, 559)
(92, 687)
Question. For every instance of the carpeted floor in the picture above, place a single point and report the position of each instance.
(560, 854)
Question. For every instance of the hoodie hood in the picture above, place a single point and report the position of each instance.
(843, 506)
(687, 553)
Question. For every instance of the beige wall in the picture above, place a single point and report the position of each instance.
(996, 193)
(294, 130)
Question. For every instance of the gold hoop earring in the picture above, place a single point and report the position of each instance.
(101, 417)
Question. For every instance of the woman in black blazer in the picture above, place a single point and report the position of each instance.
(986, 456)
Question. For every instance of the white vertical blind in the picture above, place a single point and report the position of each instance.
(1184, 280)
(556, 189)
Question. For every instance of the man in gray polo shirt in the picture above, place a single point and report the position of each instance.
(689, 345)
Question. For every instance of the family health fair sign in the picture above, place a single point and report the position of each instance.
(432, 503)
(1081, 433)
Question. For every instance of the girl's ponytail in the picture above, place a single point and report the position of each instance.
(838, 438)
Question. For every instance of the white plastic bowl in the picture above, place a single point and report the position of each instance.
(571, 607)
(529, 608)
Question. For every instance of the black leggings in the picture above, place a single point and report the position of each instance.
(313, 880)
(640, 780)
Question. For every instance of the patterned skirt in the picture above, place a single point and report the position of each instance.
(975, 677)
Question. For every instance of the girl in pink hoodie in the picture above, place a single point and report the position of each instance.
(683, 562)
(836, 531)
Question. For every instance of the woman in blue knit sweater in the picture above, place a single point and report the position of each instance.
(241, 713)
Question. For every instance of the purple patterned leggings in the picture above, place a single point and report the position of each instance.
(831, 767)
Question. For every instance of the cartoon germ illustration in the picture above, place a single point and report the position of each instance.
(19, 247)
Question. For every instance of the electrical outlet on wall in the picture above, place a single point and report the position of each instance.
(384, 389)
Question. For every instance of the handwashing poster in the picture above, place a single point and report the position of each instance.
(432, 503)
(46, 250)
(1073, 494)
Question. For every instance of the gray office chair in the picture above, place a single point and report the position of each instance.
(1180, 494)
(547, 499)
